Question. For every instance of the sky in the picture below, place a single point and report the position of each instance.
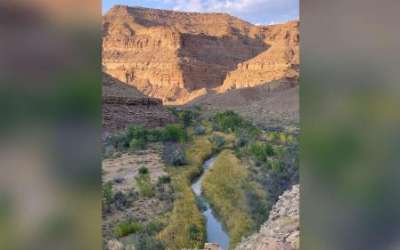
(254, 11)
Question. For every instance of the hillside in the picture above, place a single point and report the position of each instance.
(124, 105)
(177, 56)
(275, 104)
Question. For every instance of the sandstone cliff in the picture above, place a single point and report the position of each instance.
(176, 56)
(279, 61)
(124, 105)
(282, 230)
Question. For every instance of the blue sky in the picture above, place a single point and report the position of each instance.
(254, 11)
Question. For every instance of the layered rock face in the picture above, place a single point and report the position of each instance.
(279, 61)
(282, 230)
(123, 105)
(176, 55)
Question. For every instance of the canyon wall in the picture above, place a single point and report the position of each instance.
(177, 55)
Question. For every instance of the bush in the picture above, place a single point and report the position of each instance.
(164, 179)
(199, 130)
(143, 171)
(217, 141)
(174, 155)
(107, 193)
(261, 151)
(139, 143)
(227, 121)
(194, 233)
(146, 242)
(145, 186)
(174, 133)
(120, 141)
(154, 135)
(137, 132)
(126, 228)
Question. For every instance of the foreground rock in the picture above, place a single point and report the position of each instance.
(282, 230)
(177, 56)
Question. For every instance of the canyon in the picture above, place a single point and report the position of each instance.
(180, 56)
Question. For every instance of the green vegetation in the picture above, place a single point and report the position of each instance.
(230, 122)
(174, 155)
(137, 137)
(143, 171)
(164, 180)
(107, 194)
(186, 228)
(217, 141)
(230, 191)
(126, 228)
(146, 188)
(261, 151)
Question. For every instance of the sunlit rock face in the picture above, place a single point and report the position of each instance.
(175, 56)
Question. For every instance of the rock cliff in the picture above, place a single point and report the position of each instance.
(124, 105)
(282, 230)
(176, 56)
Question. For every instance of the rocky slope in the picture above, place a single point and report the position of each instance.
(124, 105)
(176, 56)
(281, 231)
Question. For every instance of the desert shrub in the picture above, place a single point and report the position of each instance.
(120, 201)
(217, 141)
(154, 227)
(241, 142)
(164, 179)
(174, 133)
(137, 144)
(120, 141)
(261, 151)
(194, 233)
(227, 121)
(186, 117)
(154, 135)
(143, 171)
(199, 130)
(146, 188)
(107, 193)
(174, 155)
(137, 132)
(126, 228)
(147, 242)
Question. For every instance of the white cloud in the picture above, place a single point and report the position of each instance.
(257, 11)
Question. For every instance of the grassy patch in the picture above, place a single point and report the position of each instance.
(227, 187)
(186, 228)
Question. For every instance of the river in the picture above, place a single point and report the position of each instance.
(215, 231)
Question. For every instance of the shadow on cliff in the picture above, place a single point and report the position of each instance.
(206, 60)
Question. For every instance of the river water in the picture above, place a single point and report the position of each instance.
(215, 231)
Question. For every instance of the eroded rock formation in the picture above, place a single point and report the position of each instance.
(282, 230)
(124, 105)
(176, 56)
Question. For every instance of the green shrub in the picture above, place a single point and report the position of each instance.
(126, 228)
(146, 242)
(154, 135)
(217, 141)
(227, 121)
(145, 186)
(120, 141)
(174, 155)
(174, 133)
(139, 143)
(261, 151)
(107, 193)
(199, 130)
(143, 171)
(194, 233)
(154, 227)
(137, 132)
(164, 179)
